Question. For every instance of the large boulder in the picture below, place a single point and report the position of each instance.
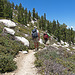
(41, 41)
(8, 30)
(23, 40)
(8, 23)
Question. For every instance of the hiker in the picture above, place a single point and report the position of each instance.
(46, 37)
(35, 37)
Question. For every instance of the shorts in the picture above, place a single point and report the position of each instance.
(35, 40)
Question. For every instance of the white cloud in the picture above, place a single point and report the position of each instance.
(68, 27)
(72, 27)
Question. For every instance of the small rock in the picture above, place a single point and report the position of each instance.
(25, 52)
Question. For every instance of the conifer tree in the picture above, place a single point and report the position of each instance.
(7, 9)
(36, 15)
(45, 16)
(22, 13)
(16, 7)
(19, 12)
(20, 6)
(40, 25)
(33, 13)
(48, 27)
(69, 36)
(1, 8)
(29, 16)
(72, 35)
(45, 24)
(12, 5)
(25, 16)
(54, 26)
(58, 31)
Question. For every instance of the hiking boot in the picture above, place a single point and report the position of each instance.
(37, 49)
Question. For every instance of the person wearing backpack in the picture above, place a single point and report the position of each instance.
(46, 37)
(35, 37)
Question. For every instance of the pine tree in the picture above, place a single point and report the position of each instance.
(20, 6)
(1, 8)
(45, 16)
(36, 15)
(29, 16)
(43, 26)
(72, 35)
(12, 5)
(42, 22)
(25, 16)
(20, 13)
(48, 27)
(54, 26)
(7, 9)
(40, 25)
(16, 7)
(33, 13)
(58, 31)
(69, 36)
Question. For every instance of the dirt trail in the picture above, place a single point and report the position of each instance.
(25, 63)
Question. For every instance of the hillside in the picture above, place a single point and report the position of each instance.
(55, 58)
(17, 56)
(14, 37)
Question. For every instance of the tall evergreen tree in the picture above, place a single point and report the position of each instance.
(1, 8)
(7, 9)
(19, 12)
(40, 25)
(45, 16)
(36, 15)
(58, 31)
(22, 14)
(64, 34)
(12, 5)
(48, 27)
(20, 7)
(29, 16)
(43, 26)
(54, 26)
(25, 16)
(33, 13)
(72, 35)
(68, 36)
(16, 7)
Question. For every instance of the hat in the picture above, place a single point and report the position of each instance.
(35, 27)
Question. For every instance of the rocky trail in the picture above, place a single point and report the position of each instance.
(25, 63)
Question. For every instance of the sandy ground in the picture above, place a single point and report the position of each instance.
(25, 63)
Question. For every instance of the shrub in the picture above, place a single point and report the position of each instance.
(38, 63)
(31, 46)
(6, 63)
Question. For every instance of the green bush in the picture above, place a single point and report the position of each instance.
(38, 63)
(7, 64)
(31, 46)
(0, 30)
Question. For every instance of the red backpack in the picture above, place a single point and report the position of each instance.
(45, 36)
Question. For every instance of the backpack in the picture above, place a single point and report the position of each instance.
(45, 36)
(48, 34)
(34, 33)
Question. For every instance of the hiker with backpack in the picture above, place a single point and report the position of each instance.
(35, 37)
(46, 37)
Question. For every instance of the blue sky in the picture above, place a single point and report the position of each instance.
(61, 10)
